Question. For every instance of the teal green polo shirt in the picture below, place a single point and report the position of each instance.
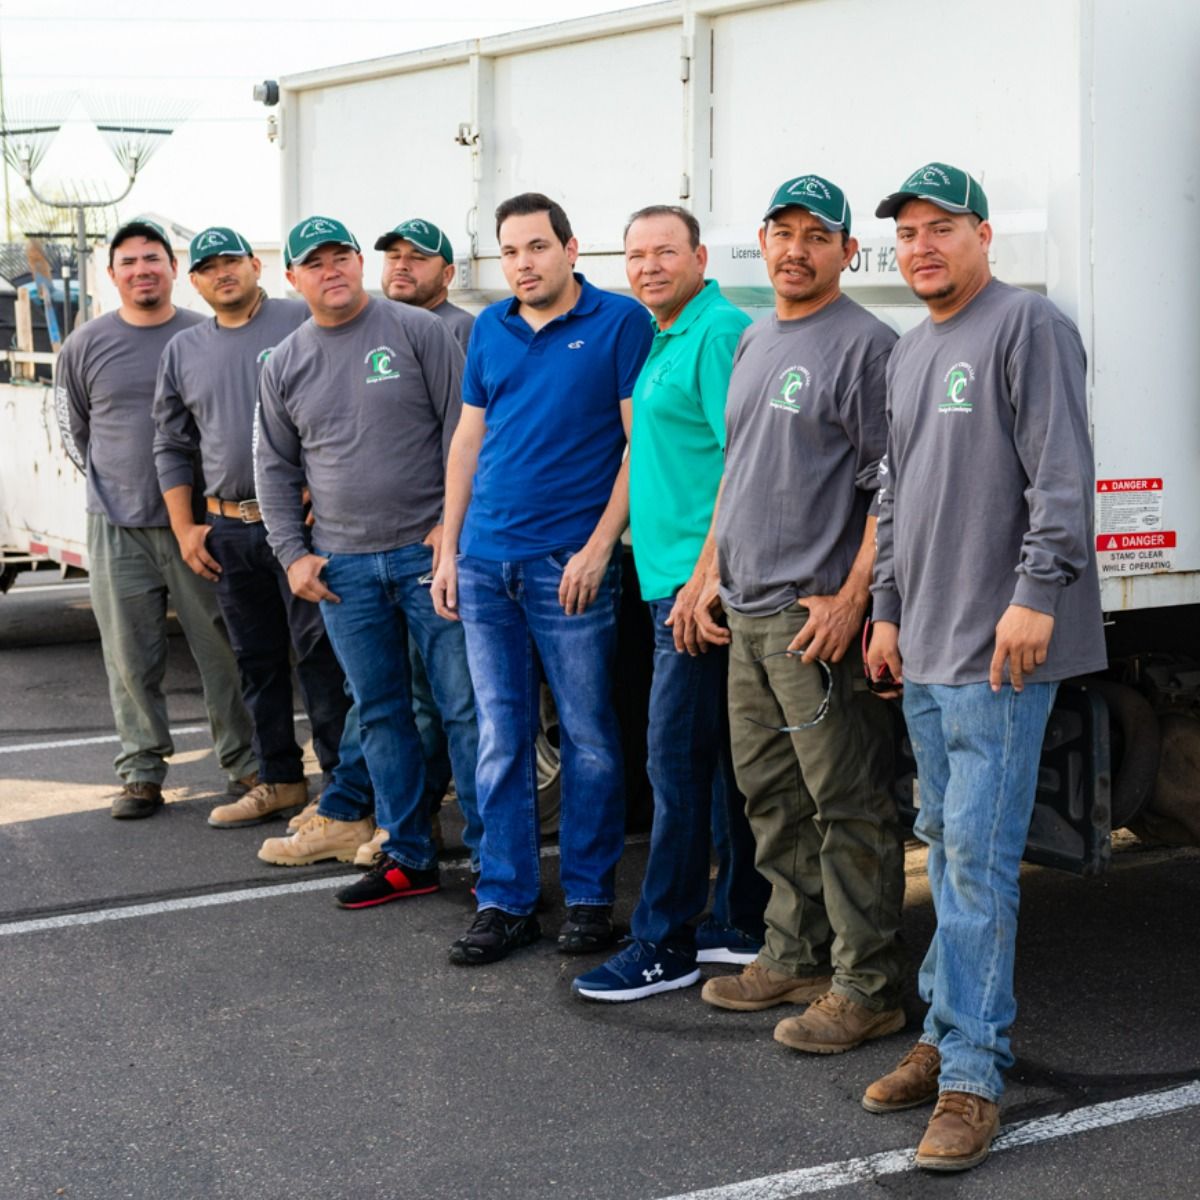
(677, 451)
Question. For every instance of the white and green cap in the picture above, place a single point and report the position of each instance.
(826, 201)
(311, 234)
(216, 239)
(425, 235)
(948, 187)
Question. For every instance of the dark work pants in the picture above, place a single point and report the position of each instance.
(265, 621)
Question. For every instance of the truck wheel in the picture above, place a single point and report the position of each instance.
(1173, 814)
(1136, 741)
(8, 575)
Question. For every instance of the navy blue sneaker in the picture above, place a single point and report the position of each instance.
(640, 969)
(716, 943)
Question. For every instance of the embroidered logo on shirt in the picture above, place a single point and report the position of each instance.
(575, 345)
(792, 383)
(380, 362)
(958, 380)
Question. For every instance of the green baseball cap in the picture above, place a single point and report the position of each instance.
(216, 239)
(826, 201)
(946, 186)
(312, 233)
(425, 235)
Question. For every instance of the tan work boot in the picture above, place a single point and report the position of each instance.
(759, 987)
(260, 803)
(959, 1134)
(367, 851)
(914, 1082)
(317, 839)
(835, 1023)
(305, 815)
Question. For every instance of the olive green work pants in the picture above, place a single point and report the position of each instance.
(819, 804)
(133, 573)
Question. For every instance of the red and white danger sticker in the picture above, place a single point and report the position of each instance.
(1129, 517)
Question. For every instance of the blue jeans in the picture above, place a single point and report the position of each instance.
(347, 794)
(512, 618)
(977, 761)
(691, 772)
(382, 601)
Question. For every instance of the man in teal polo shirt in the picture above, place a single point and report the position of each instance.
(675, 466)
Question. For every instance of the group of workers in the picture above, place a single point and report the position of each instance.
(424, 512)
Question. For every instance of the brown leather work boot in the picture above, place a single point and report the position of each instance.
(305, 815)
(137, 800)
(260, 803)
(759, 987)
(959, 1134)
(835, 1023)
(318, 839)
(914, 1082)
(364, 856)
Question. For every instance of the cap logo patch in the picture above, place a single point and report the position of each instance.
(316, 227)
(810, 186)
(930, 176)
(214, 237)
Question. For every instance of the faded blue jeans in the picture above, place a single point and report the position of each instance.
(977, 762)
(382, 601)
(512, 618)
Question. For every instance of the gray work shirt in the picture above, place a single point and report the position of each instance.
(205, 398)
(103, 395)
(460, 321)
(987, 489)
(364, 413)
(805, 429)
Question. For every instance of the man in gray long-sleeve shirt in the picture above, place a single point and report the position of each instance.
(986, 595)
(104, 390)
(795, 542)
(204, 404)
(360, 403)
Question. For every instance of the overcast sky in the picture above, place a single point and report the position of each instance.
(155, 56)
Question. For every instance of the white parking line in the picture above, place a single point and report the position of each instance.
(101, 739)
(826, 1177)
(158, 907)
(71, 920)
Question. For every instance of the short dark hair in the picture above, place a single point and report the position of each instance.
(528, 203)
(138, 229)
(667, 210)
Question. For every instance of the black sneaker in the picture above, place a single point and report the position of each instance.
(385, 880)
(137, 800)
(588, 927)
(493, 935)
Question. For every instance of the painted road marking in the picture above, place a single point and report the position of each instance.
(826, 1177)
(158, 907)
(100, 740)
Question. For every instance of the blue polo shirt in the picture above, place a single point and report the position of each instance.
(554, 437)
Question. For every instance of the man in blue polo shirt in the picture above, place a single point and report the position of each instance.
(536, 500)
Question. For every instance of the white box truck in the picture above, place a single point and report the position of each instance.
(1081, 118)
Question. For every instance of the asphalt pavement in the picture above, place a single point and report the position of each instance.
(181, 1021)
